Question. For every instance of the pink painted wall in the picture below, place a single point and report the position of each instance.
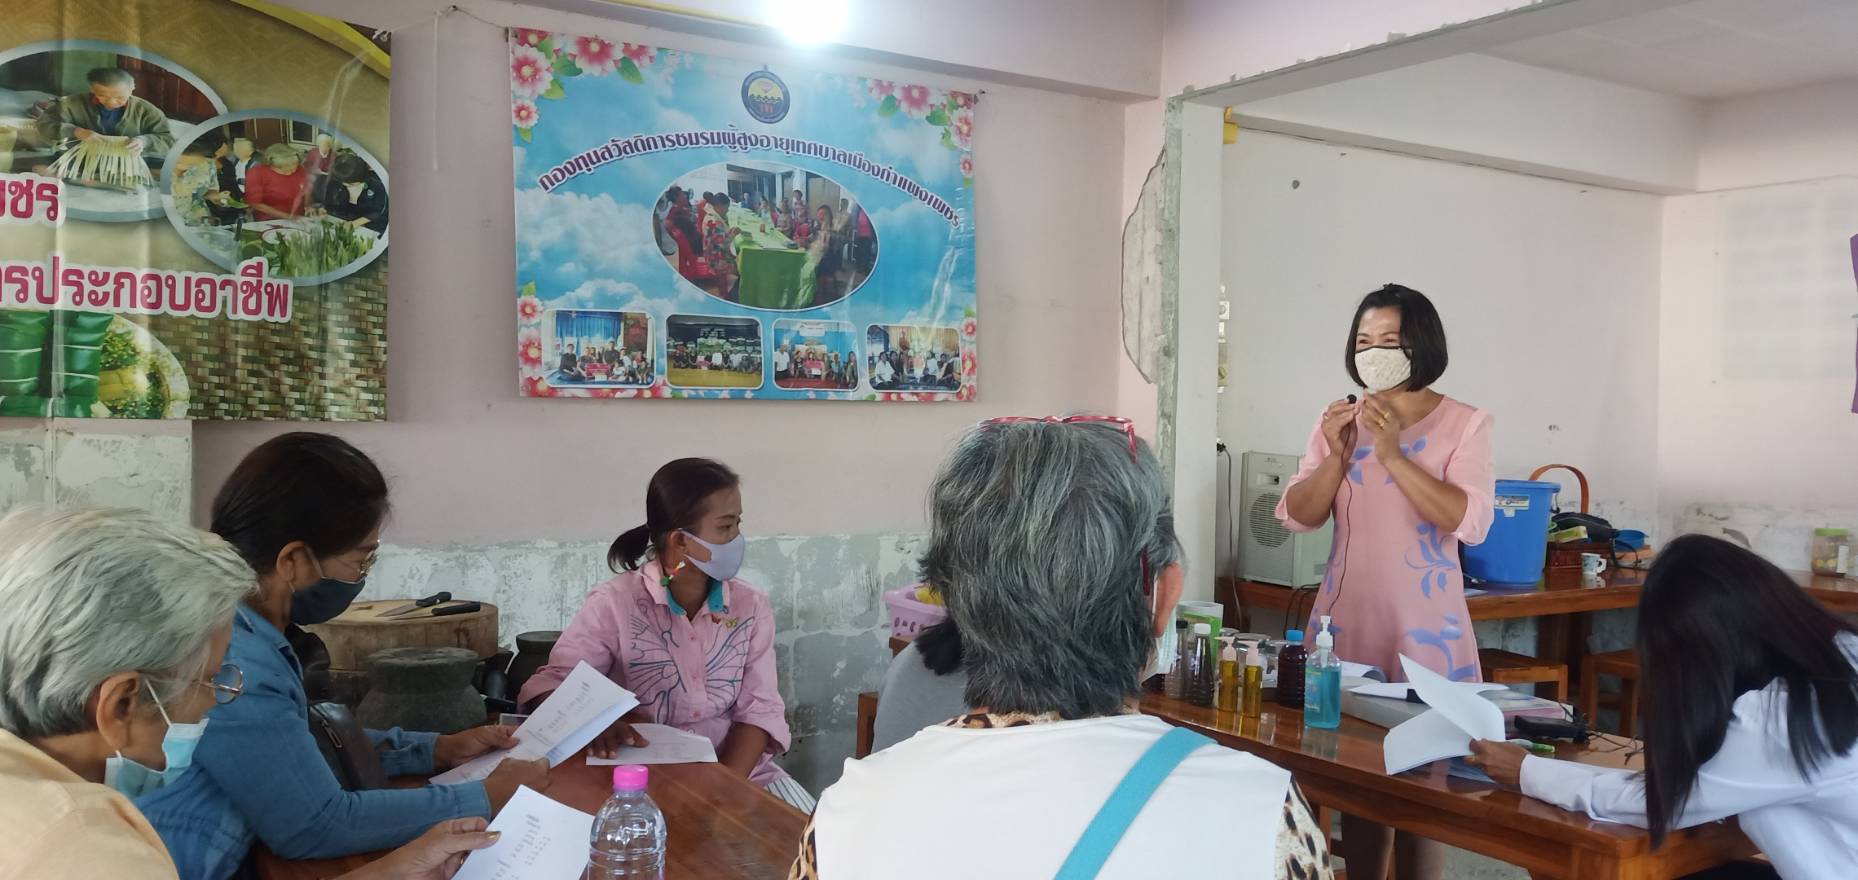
(474, 463)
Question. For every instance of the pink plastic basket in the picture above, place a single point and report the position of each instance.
(908, 617)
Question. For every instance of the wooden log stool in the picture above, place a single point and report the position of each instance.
(1505, 667)
(362, 631)
(1623, 665)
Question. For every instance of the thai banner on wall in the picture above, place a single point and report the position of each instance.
(691, 226)
(193, 211)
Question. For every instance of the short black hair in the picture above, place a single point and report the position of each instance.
(1422, 334)
(348, 168)
(110, 76)
(303, 486)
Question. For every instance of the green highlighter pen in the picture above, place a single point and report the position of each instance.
(1536, 747)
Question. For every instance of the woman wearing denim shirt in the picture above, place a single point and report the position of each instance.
(305, 510)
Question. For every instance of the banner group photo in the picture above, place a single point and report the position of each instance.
(696, 226)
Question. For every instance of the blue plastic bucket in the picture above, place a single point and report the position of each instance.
(1516, 548)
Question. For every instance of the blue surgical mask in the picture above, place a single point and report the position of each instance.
(134, 779)
(725, 559)
(324, 600)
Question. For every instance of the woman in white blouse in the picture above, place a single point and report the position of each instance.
(1728, 646)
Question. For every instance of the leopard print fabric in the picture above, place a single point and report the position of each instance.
(1302, 851)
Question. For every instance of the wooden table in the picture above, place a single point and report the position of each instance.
(718, 824)
(1560, 603)
(1343, 769)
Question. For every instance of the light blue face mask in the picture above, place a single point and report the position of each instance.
(134, 779)
(725, 559)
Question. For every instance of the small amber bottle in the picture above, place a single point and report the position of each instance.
(1252, 701)
(1229, 680)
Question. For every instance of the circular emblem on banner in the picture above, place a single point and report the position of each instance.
(765, 97)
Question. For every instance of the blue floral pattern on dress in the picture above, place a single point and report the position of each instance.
(1361, 454)
(1442, 639)
(1354, 468)
(1434, 566)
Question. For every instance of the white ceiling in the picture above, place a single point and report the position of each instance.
(1709, 48)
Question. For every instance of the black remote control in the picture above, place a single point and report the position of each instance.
(1552, 728)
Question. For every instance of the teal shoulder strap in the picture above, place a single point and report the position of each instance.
(1126, 802)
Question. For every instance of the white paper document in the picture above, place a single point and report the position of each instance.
(1396, 690)
(542, 840)
(1458, 716)
(584, 705)
(664, 745)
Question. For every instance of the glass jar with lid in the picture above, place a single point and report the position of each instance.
(1832, 552)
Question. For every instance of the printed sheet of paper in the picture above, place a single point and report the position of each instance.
(585, 704)
(542, 840)
(1458, 716)
(664, 745)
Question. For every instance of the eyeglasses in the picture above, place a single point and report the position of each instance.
(1128, 429)
(227, 684)
(361, 568)
(367, 564)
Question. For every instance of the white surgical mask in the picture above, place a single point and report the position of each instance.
(1383, 369)
(725, 559)
(135, 779)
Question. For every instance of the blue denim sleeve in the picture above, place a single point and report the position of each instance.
(404, 753)
(259, 750)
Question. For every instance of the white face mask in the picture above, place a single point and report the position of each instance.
(725, 559)
(1383, 369)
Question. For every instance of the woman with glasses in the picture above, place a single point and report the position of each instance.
(305, 511)
(1053, 544)
(113, 635)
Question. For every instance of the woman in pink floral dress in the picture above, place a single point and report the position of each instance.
(1406, 472)
(680, 631)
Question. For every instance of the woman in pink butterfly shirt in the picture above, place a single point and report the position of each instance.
(680, 631)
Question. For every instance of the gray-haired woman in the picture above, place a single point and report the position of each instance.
(1053, 543)
(113, 628)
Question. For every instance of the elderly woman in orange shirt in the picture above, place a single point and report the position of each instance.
(113, 631)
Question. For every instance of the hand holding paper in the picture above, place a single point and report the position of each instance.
(1458, 715)
(540, 838)
(585, 704)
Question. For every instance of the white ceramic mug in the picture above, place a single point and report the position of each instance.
(1592, 563)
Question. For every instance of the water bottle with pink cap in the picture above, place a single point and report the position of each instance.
(628, 835)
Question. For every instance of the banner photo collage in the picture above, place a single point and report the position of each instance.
(690, 226)
(191, 227)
